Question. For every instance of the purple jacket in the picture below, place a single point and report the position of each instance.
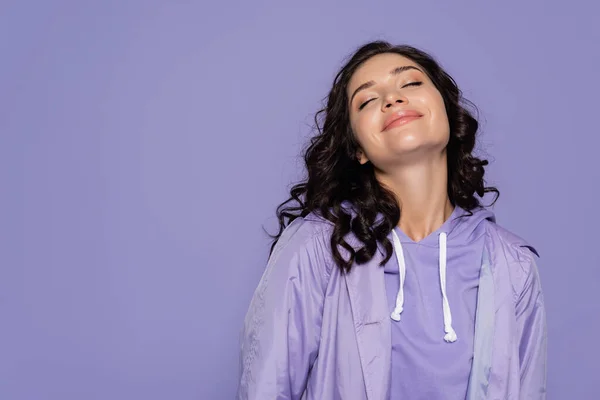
(313, 333)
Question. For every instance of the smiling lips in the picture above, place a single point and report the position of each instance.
(401, 118)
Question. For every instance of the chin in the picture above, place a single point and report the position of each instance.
(413, 150)
(409, 141)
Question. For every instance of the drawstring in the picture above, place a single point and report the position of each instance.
(450, 333)
(402, 273)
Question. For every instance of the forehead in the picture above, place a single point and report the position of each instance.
(377, 68)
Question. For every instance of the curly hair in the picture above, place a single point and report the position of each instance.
(335, 175)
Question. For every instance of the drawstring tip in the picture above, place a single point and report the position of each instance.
(450, 336)
(395, 315)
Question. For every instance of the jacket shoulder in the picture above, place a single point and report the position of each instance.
(511, 240)
(515, 254)
(305, 235)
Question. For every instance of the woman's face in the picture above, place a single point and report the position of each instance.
(423, 129)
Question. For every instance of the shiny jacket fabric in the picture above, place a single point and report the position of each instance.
(313, 333)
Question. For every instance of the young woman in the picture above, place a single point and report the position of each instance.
(389, 279)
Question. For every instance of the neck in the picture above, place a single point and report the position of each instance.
(422, 193)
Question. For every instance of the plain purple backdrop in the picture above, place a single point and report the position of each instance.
(144, 144)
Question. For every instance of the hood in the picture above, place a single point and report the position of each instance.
(460, 228)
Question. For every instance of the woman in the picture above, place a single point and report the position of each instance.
(390, 280)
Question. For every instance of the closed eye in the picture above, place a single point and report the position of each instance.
(417, 83)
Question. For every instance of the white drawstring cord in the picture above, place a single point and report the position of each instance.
(450, 333)
(402, 273)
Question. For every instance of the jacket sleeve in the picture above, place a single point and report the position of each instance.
(531, 325)
(282, 327)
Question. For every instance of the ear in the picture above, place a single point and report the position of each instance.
(361, 157)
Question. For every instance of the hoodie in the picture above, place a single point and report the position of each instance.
(431, 288)
(312, 332)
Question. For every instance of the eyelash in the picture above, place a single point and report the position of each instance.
(408, 84)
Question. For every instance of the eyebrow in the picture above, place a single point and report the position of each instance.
(395, 71)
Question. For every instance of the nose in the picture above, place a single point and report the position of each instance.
(393, 98)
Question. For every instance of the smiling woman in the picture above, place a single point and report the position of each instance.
(457, 313)
(406, 94)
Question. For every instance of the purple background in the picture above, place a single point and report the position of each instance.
(144, 143)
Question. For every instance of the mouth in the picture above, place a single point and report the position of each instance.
(401, 121)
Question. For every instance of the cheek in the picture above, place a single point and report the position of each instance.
(438, 109)
(361, 126)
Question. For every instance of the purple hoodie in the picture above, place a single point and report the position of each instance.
(313, 333)
(425, 364)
